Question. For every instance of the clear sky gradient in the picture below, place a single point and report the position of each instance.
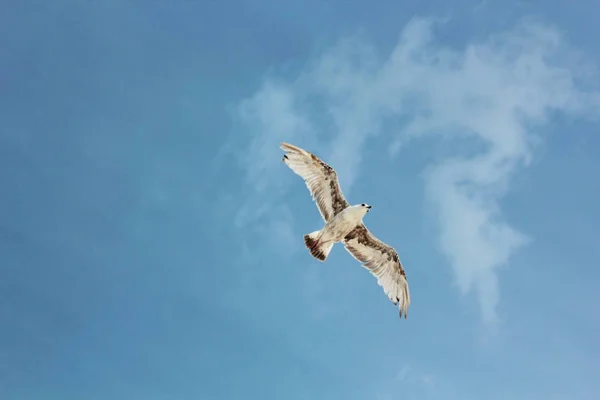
(151, 238)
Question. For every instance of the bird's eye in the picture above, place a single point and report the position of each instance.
(363, 204)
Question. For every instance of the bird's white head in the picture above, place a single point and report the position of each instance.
(364, 207)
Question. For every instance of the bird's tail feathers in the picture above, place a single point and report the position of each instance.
(318, 249)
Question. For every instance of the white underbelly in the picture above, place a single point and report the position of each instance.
(338, 227)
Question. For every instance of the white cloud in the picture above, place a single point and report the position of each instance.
(409, 383)
(272, 116)
(491, 98)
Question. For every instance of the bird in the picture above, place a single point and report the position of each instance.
(344, 223)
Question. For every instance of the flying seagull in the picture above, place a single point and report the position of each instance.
(343, 223)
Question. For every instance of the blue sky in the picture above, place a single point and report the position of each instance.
(151, 239)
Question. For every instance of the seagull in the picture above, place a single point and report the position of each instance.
(344, 223)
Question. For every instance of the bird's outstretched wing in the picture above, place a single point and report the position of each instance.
(320, 178)
(383, 262)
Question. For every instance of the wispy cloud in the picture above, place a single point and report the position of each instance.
(271, 116)
(264, 220)
(411, 382)
(408, 374)
(489, 100)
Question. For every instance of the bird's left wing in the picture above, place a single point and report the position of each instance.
(320, 178)
(383, 262)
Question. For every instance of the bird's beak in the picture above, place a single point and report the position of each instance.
(369, 207)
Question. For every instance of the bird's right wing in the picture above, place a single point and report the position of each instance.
(320, 178)
(383, 262)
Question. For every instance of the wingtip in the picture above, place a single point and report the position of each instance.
(402, 309)
(291, 148)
